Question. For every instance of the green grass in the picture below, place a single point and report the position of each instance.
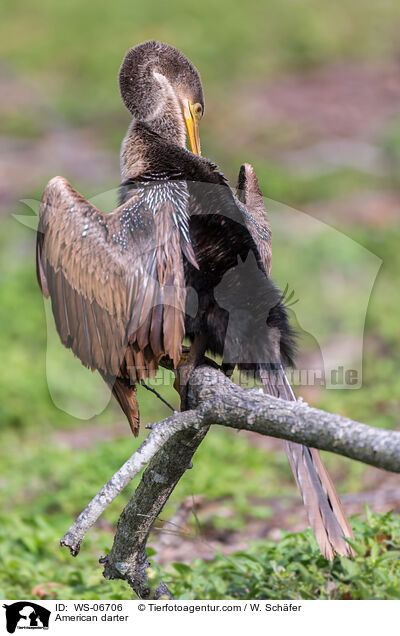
(291, 568)
(294, 569)
(73, 50)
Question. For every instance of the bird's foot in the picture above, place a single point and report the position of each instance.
(227, 369)
(182, 377)
(190, 359)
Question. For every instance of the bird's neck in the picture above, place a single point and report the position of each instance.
(133, 157)
(159, 112)
(137, 151)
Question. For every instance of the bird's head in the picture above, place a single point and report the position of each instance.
(160, 87)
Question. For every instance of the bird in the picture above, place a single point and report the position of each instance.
(181, 257)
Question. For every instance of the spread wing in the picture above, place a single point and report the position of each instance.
(254, 215)
(116, 280)
(325, 512)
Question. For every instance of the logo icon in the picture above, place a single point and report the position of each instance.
(26, 615)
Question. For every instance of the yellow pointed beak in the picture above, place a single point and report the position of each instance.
(192, 127)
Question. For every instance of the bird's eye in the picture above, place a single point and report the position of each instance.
(198, 111)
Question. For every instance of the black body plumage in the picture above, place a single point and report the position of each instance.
(219, 236)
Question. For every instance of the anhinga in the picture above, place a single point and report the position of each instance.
(127, 287)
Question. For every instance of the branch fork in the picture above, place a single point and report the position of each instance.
(171, 444)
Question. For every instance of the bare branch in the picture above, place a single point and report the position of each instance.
(219, 401)
(127, 559)
(158, 436)
(214, 399)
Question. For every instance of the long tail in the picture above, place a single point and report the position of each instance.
(324, 510)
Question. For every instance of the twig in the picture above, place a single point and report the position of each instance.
(172, 531)
(160, 397)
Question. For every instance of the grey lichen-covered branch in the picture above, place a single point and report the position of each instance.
(214, 399)
(127, 559)
(219, 401)
(156, 440)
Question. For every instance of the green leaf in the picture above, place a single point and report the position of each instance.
(351, 568)
(182, 568)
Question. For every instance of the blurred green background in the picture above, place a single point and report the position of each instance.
(309, 93)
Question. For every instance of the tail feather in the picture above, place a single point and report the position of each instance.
(324, 510)
(125, 394)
